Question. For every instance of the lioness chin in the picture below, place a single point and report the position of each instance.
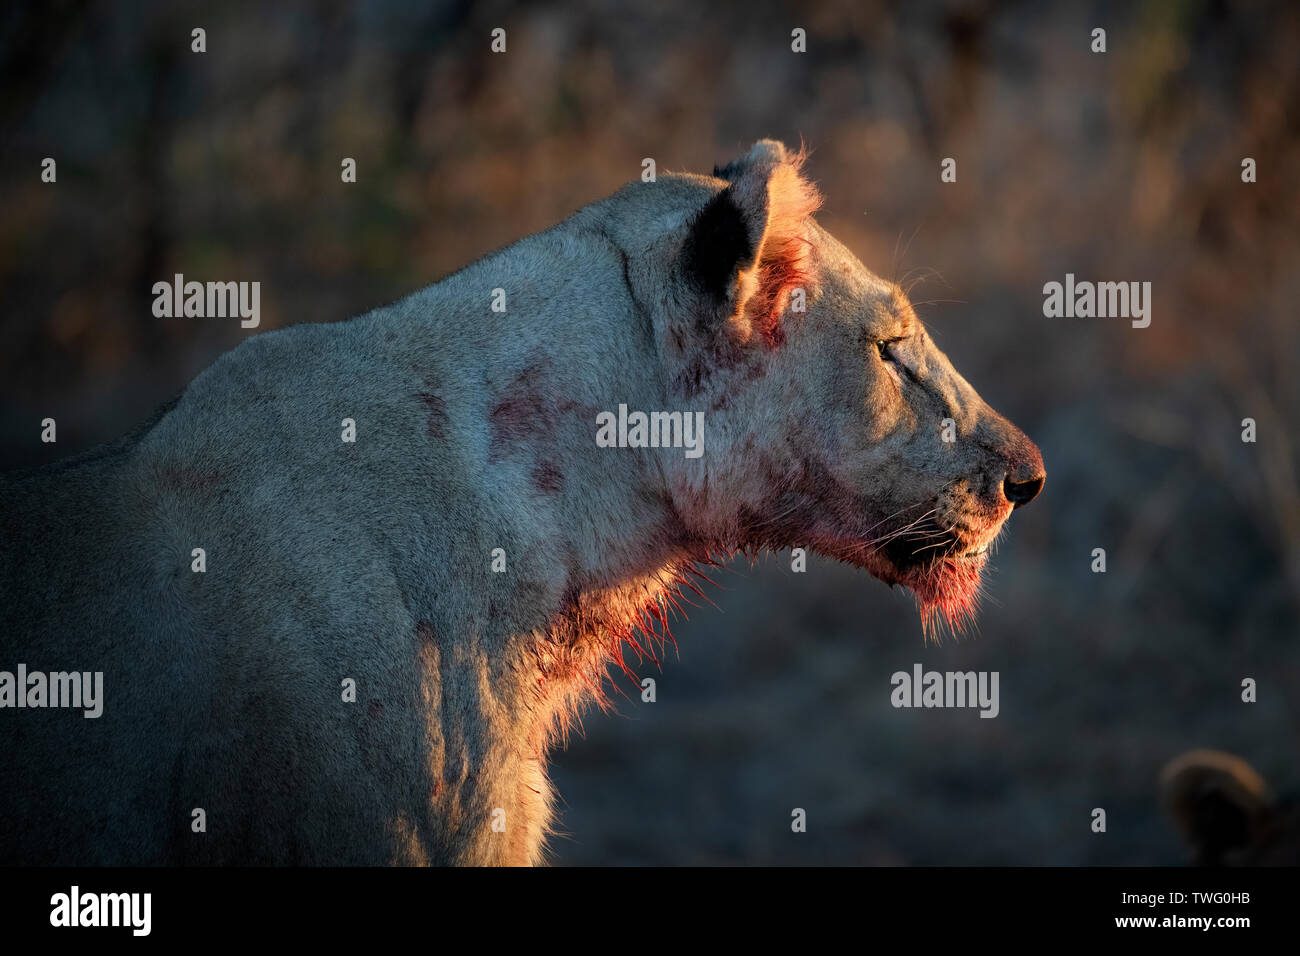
(385, 635)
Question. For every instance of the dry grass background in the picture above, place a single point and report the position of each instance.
(1123, 166)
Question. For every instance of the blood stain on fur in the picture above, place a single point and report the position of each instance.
(436, 412)
(548, 478)
(520, 412)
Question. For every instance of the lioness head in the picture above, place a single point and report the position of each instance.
(1227, 813)
(833, 420)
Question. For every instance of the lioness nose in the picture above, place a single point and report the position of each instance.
(1021, 492)
(1016, 457)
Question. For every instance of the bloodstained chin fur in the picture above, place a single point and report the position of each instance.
(947, 592)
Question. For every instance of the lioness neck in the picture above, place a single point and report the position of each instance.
(577, 549)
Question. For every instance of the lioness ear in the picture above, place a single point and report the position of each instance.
(749, 247)
(1216, 800)
(765, 151)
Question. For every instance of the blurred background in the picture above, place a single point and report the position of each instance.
(1117, 166)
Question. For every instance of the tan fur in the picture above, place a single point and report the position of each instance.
(476, 431)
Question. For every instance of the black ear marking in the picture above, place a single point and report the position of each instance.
(718, 245)
(1220, 825)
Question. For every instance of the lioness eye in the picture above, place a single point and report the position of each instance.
(882, 346)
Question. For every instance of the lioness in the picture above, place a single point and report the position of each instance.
(1227, 813)
(472, 562)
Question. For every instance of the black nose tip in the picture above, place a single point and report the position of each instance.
(1022, 492)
